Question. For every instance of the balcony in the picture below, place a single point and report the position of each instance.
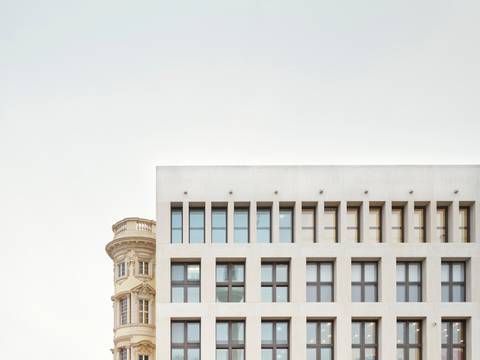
(136, 227)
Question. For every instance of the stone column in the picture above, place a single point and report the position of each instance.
(208, 222)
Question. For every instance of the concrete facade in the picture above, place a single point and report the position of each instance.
(319, 187)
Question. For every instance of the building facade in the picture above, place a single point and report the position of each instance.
(318, 262)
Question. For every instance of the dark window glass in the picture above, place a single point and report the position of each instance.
(409, 281)
(177, 226)
(230, 339)
(197, 226)
(275, 279)
(320, 340)
(364, 340)
(264, 232)
(230, 282)
(453, 340)
(240, 221)
(364, 282)
(453, 281)
(409, 340)
(219, 226)
(185, 279)
(275, 340)
(286, 225)
(185, 340)
(320, 281)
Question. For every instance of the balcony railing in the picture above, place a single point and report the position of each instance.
(133, 224)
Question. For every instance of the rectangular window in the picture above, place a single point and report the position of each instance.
(264, 232)
(143, 267)
(320, 281)
(364, 282)
(330, 224)
(185, 279)
(230, 341)
(442, 224)
(319, 340)
(121, 269)
(143, 357)
(185, 340)
(308, 225)
(286, 225)
(453, 281)
(353, 224)
(143, 307)
(176, 226)
(197, 226)
(419, 228)
(409, 281)
(240, 226)
(219, 226)
(375, 227)
(123, 354)
(364, 340)
(275, 278)
(453, 340)
(409, 340)
(123, 311)
(398, 221)
(230, 282)
(275, 340)
(464, 224)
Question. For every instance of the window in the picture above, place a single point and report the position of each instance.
(275, 340)
(123, 354)
(121, 269)
(143, 267)
(275, 282)
(364, 340)
(219, 226)
(453, 281)
(177, 226)
(308, 225)
(453, 340)
(409, 340)
(185, 283)
(143, 357)
(185, 337)
(241, 222)
(375, 227)
(442, 224)
(320, 340)
(364, 281)
(286, 225)
(320, 281)
(419, 228)
(409, 281)
(197, 226)
(264, 233)
(353, 222)
(143, 307)
(230, 282)
(123, 311)
(397, 221)
(464, 224)
(230, 340)
(330, 224)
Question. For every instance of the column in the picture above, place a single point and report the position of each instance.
(275, 221)
(475, 223)
(185, 211)
(208, 222)
(297, 222)
(387, 222)
(343, 336)
(387, 278)
(387, 340)
(253, 279)
(342, 222)
(298, 336)
(453, 219)
(409, 223)
(164, 228)
(207, 337)
(432, 222)
(253, 343)
(230, 210)
(319, 210)
(364, 223)
(298, 280)
(207, 279)
(252, 224)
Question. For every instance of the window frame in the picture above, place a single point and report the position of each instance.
(290, 211)
(402, 222)
(123, 311)
(219, 209)
(273, 345)
(406, 284)
(445, 210)
(450, 283)
(318, 346)
(121, 269)
(230, 345)
(319, 283)
(465, 228)
(362, 283)
(313, 211)
(144, 311)
(423, 208)
(357, 216)
(241, 209)
(186, 345)
(229, 284)
(362, 345)
(378, 208)
(185, 284)
(143, 357)
(192, 210)
(123, 353)
(143, 268)
(261, 210)
(406, 345)
(333, 208)
(450, 345)
(274, 284)
(173, 211)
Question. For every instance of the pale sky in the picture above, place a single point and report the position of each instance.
(95, 93)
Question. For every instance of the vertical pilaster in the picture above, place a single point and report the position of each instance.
(297, 222)
(253, 222)
(364, 221)
(387, 278)
(207, 274)
(253, 344)
(230, 210)
(342, 337)
(409, 223)
(275, 221)
(388, 338)
(387, 222)
(207, 336)
(208, 222)
(298, 334)
(298, 266)
(319, 211)
(432, 223)
(453, 220)
(253, 279)
(475, 223)
(342, 222)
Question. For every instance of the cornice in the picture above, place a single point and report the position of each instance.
(129, 243)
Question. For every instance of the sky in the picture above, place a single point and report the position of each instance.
(95, 94)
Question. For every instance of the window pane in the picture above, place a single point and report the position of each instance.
(445, 293)
(458, 354)
(177, 236)
(219, 236)
(325, 333)
(401, 354)
(282, 294)
(444, 354)
(308, 218)
(282, 332)
(285, 235)
(222, 293)
(282, 273)
(267, 332)
(263, 235)
(356, 333)
(238, 332)
(370, 331)
(326, 272)
(193, 332)
(263, 218)
(457, 333)
(457, 293)
(311, 293)
(311, 354)
(193, 272)
(177, 333)
(326, 293)
(285, 218)
(177, 354)
(196, 236)
(370, 272)
(445, 333)
(219, 218)
(222, 333)
(458, 272)
(240, 236)
(267, 273)
(177, 272)
(413, 333)
(241, 218)
(267, 294)
(356, 272)
(222, 273)
(400, 332)
(414, 354)
(414, 272)
(401, 294)
(267, 354)
(370, 354)
(238, 273)
(176, 218)
(221, 354)
(193, 294)
(414, 293)
(311, 272)
(238, 294)
(308, 235)
(311, 333)
(193, 354)
(356, 354)
(282, 354)
(445, 272)
(370, 293)
(238, 354)
(356, 293)
(326, 354)
(196, 218)
(177, 294)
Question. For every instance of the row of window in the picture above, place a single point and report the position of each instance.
(275, 281)
(241, 224)
(143, 268)
(275, 339)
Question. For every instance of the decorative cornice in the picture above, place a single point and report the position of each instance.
(130, 242)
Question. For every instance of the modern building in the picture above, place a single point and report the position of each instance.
(316, 263)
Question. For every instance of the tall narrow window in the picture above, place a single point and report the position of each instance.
(177, 226)
(453, 340)
(230, 282)
(464, 224)
(121, 269)
(319, 340)
(330, 224)
(185, 337)
(308, 225)
(409, 281)
(230, 341)
(185, 283)
(143, 267)
(143, 357)
(275, 280)
(197, 226)
(143, 307)
(320, 281)
(409, 340)
(364, 282)
(286, 225)
(397, 221)
(419, 228)
(453, 281)
(364, 340)
(442, 224)
(240, 223)
(123, 311)
(123, 354)
(264, 233)
(275, 340)
(219, 225)
(353, 224)
(375, 227)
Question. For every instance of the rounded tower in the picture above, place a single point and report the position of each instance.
(133, 253)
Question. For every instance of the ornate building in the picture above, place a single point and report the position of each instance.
(133, 253)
